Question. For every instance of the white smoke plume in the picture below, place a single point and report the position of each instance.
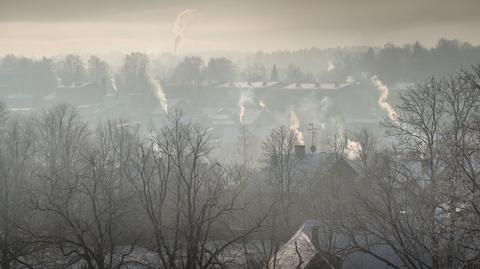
(245, 97)
(318, 113)
(382, 100)
(330, 67)
(353, 149)
(295, 127)
(113, 81)
(180, 26)
(262, 104)
(160, 94)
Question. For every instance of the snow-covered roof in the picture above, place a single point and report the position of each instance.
(296, 253)
(248, 85)
(22, 109)
(317, 86)
(302, 86)
(300, 252)
(243, 85)
(76, 86)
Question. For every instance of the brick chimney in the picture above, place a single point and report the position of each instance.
(300, 151)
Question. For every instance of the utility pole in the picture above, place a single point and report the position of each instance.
(312, 130)
(244, 144)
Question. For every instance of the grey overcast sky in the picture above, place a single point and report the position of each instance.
(37, 27)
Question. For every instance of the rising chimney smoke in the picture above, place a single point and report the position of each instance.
(295, 127)
(330, 67)
(262, 104)
(113, 81)
(382, 100)
(353, 149)
(245, 97)
(180, 26)
(160, 94)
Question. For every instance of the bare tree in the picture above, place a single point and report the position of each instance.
(278, 150)
(330, 191)
(418, 130)
(61, 136)
(86, 197)
(189, 199)
(366, 145)
(461, 141)
(281, 180)
(404, 207)
(389, 218)
(16, 167)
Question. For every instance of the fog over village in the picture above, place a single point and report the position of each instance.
(264, 134)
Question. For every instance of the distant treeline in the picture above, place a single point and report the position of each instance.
(411, 62)
(408, 63)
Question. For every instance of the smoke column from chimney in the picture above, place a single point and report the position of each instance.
(160, 94)
(382, 100)
(295, 127)
(330, 67)
(180, 26)
(245, 97)
(353, 149)
(113, 81)
(262, 104)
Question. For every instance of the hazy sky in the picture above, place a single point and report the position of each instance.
(36, 27)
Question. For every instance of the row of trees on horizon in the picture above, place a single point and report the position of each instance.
(410, 63)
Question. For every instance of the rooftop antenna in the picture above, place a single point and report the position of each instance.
(312, 130)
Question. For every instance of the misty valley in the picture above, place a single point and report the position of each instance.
(271, 135)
